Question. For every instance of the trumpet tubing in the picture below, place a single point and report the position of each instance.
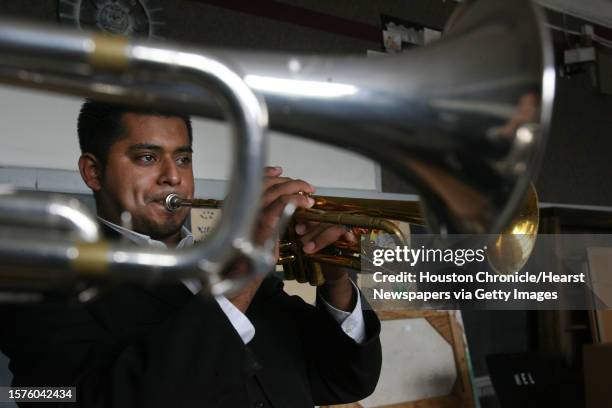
(510, 251)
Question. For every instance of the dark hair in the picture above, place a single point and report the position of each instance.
(99, 126)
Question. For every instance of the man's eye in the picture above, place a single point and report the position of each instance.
(184, 160)
(146, 158)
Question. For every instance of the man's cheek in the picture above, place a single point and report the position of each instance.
(140, 195)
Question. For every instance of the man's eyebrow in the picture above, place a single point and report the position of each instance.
(144, 146)
(184, 149)
(149, 146)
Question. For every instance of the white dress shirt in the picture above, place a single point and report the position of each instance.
(352, 323)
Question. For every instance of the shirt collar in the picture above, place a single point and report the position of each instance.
(141, 239)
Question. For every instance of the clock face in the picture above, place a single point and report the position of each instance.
(137, 18)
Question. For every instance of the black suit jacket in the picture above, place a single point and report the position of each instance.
(163, 346)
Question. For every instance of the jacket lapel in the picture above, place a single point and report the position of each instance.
(174, 294)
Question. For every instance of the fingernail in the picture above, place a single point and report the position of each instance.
(300, 229)
(309, 247)
(351, 236)
(311, 201)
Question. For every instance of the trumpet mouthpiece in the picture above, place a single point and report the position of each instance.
(172, 202)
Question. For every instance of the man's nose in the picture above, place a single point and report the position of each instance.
(169, 173)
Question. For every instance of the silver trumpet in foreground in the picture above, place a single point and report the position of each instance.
(463, 119)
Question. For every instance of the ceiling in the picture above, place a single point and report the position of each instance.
(596, 11)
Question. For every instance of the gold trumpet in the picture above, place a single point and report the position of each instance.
(510, 252)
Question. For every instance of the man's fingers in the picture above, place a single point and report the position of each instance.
(272, 171)
(266, 228)
(270, 215)
(277, 206)
(327, 236)
(278, 192)
(300, 229)
(349, 236)
(289, 188)
(270, 181)
(303, 227)
(313, 231)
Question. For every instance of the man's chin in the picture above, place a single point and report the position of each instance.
(161, 228)
(162, 232)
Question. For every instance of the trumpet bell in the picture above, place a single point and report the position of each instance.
(464, 119)
(516, 242)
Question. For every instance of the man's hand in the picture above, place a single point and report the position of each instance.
(337, 289)
(277, 193)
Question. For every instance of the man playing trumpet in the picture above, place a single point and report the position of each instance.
(159, 346)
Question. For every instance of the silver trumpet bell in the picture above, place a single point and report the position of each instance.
(464, 120)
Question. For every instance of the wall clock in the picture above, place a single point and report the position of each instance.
(137, 18)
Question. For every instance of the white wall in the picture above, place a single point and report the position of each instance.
(39, 131)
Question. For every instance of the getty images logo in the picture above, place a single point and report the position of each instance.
(522, 379)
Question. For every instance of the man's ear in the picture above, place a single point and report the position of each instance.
(91, 171)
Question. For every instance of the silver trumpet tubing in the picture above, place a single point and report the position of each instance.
(70, 62)
(464, 120)
(54, 212)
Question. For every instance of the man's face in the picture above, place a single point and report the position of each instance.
(150, 161)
